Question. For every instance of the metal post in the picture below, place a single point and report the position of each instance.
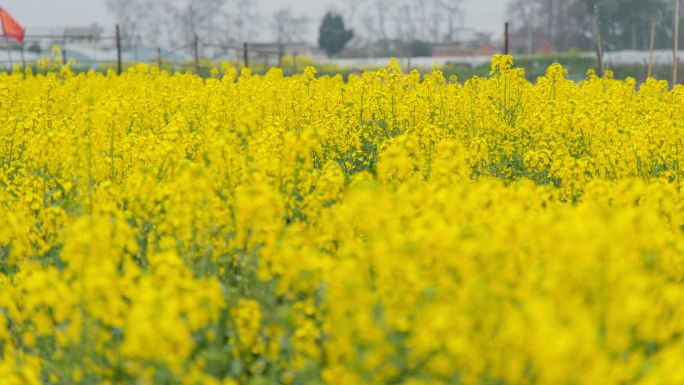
(119, 63)
(651, 47)
(530, 43)
(245, 52)
(280, 54)
(9, 54)
(64, 56)
(9, 50)
(64, 48)
(675, 52)
(597, 37)
(159, 57)
(23, 58)
(196, 52)
(506, 39)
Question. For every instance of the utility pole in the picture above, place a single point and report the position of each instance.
(119, 66)
(159, 57)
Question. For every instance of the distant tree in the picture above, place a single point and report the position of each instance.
(245, 18)
(452, 10)
(199, 17)
(626, 23)
(35, 48)
(333, 36)
(420, 48)
(405, 21)
(176, 22)
(287, 27)
(568, 24)
(383, 21)
(351, 8)
(130, 15)
(380, 8)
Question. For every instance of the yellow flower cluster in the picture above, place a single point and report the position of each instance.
(389, 229)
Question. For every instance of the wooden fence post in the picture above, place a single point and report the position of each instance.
(280, 54)
(597, 37)
(119, 63)
(245, 53)
(506, 39)
(195, 46)
(675, 51)
(23, 58)
(651, 47)
(9, 54)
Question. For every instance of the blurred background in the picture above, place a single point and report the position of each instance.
(345, 36)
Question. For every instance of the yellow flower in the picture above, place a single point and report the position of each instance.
(157, 227)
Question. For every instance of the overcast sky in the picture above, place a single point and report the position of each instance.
(485, 15)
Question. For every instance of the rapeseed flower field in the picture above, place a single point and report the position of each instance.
(394, 228)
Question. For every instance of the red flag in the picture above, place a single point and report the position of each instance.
(10, 28)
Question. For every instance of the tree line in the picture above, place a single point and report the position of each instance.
(569, 24)
(171, 22)
(560, 24)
